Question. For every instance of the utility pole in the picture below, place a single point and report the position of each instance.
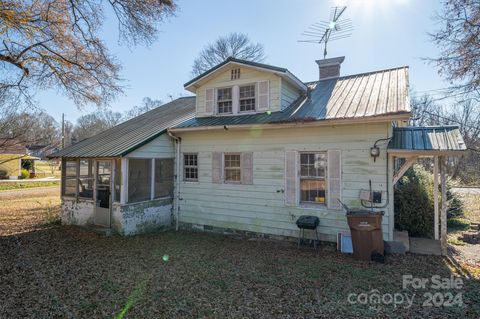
(63, 130)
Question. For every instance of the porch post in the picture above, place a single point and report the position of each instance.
(435, 196)
(390, 190)
(124, 189)
(443, 238)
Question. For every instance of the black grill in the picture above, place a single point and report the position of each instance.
(308, 222)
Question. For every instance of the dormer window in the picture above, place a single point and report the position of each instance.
(235, 74)
(247, 98)
(224, 101)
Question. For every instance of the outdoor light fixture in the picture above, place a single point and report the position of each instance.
(375, 152)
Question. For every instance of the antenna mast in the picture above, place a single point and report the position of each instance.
(326, 31)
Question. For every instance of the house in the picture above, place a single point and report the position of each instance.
(250, 152)
(13, 154)
(41, 151)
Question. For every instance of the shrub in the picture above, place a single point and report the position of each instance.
(414, 204)
(3, 174)
(457, 223)
(24, 173)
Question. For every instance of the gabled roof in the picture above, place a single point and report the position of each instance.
(130, 135)
(427, 139)
(376, 94)
(284, 73)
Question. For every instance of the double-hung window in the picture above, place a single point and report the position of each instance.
(313, 168)
(224, 101)
(232, 168)
(247, 98)
(190, 167)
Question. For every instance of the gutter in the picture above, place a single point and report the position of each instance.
(176, 202)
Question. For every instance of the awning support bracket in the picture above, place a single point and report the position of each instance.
(408, 163)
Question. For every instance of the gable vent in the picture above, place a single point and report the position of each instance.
(235, 74)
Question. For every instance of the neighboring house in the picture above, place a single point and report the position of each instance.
(253, 150)
(42, 151)
(12, 152)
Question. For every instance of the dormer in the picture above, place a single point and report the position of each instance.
(239, 87)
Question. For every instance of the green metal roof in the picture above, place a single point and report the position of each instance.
(132, 134)
(427, 138)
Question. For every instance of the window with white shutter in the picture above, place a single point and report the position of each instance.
(334, 173)
(291, 178)
(209, 100)
(313, 184)
(263, 96)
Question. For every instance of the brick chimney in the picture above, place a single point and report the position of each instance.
(329, 68)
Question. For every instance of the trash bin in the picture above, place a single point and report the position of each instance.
(366, 231)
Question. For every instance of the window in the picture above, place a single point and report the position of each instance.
(85, 179)
(70, 180)
(190, 167)
(247, 98)
(232, 166)
(235, 74)
(139, 179)
(312, 177)
(163, 177)
(224, 100)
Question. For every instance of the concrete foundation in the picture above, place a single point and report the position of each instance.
(129, 219)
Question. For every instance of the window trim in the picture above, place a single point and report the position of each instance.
(255, 97)
(185, 179)
(224, 168)
(217, 101)
(300, 178)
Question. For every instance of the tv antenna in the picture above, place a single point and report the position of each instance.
(326, 31)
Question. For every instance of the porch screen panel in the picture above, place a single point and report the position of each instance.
(85, 179)
(70, 178)
(139, 179)
(163, 178)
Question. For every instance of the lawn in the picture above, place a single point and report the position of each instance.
(48, 270)
(4, 186)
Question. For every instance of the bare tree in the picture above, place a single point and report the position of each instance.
(459, 42)
(56, 44)
(236, 45)
(94, 123)
(147, 105)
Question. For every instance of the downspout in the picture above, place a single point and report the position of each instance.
(176, 202)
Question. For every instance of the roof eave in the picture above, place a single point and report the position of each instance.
(191, 86)
(323, 122)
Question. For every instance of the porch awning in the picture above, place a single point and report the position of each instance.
(426, 141)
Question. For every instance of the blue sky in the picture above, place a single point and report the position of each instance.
(387, 33)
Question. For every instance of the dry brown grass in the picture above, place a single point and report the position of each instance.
(58, 271)
(472, 207)
(26, 211)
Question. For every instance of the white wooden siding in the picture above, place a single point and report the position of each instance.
(160, 147)
(288, 94)
(261, 207)
(247, 76)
